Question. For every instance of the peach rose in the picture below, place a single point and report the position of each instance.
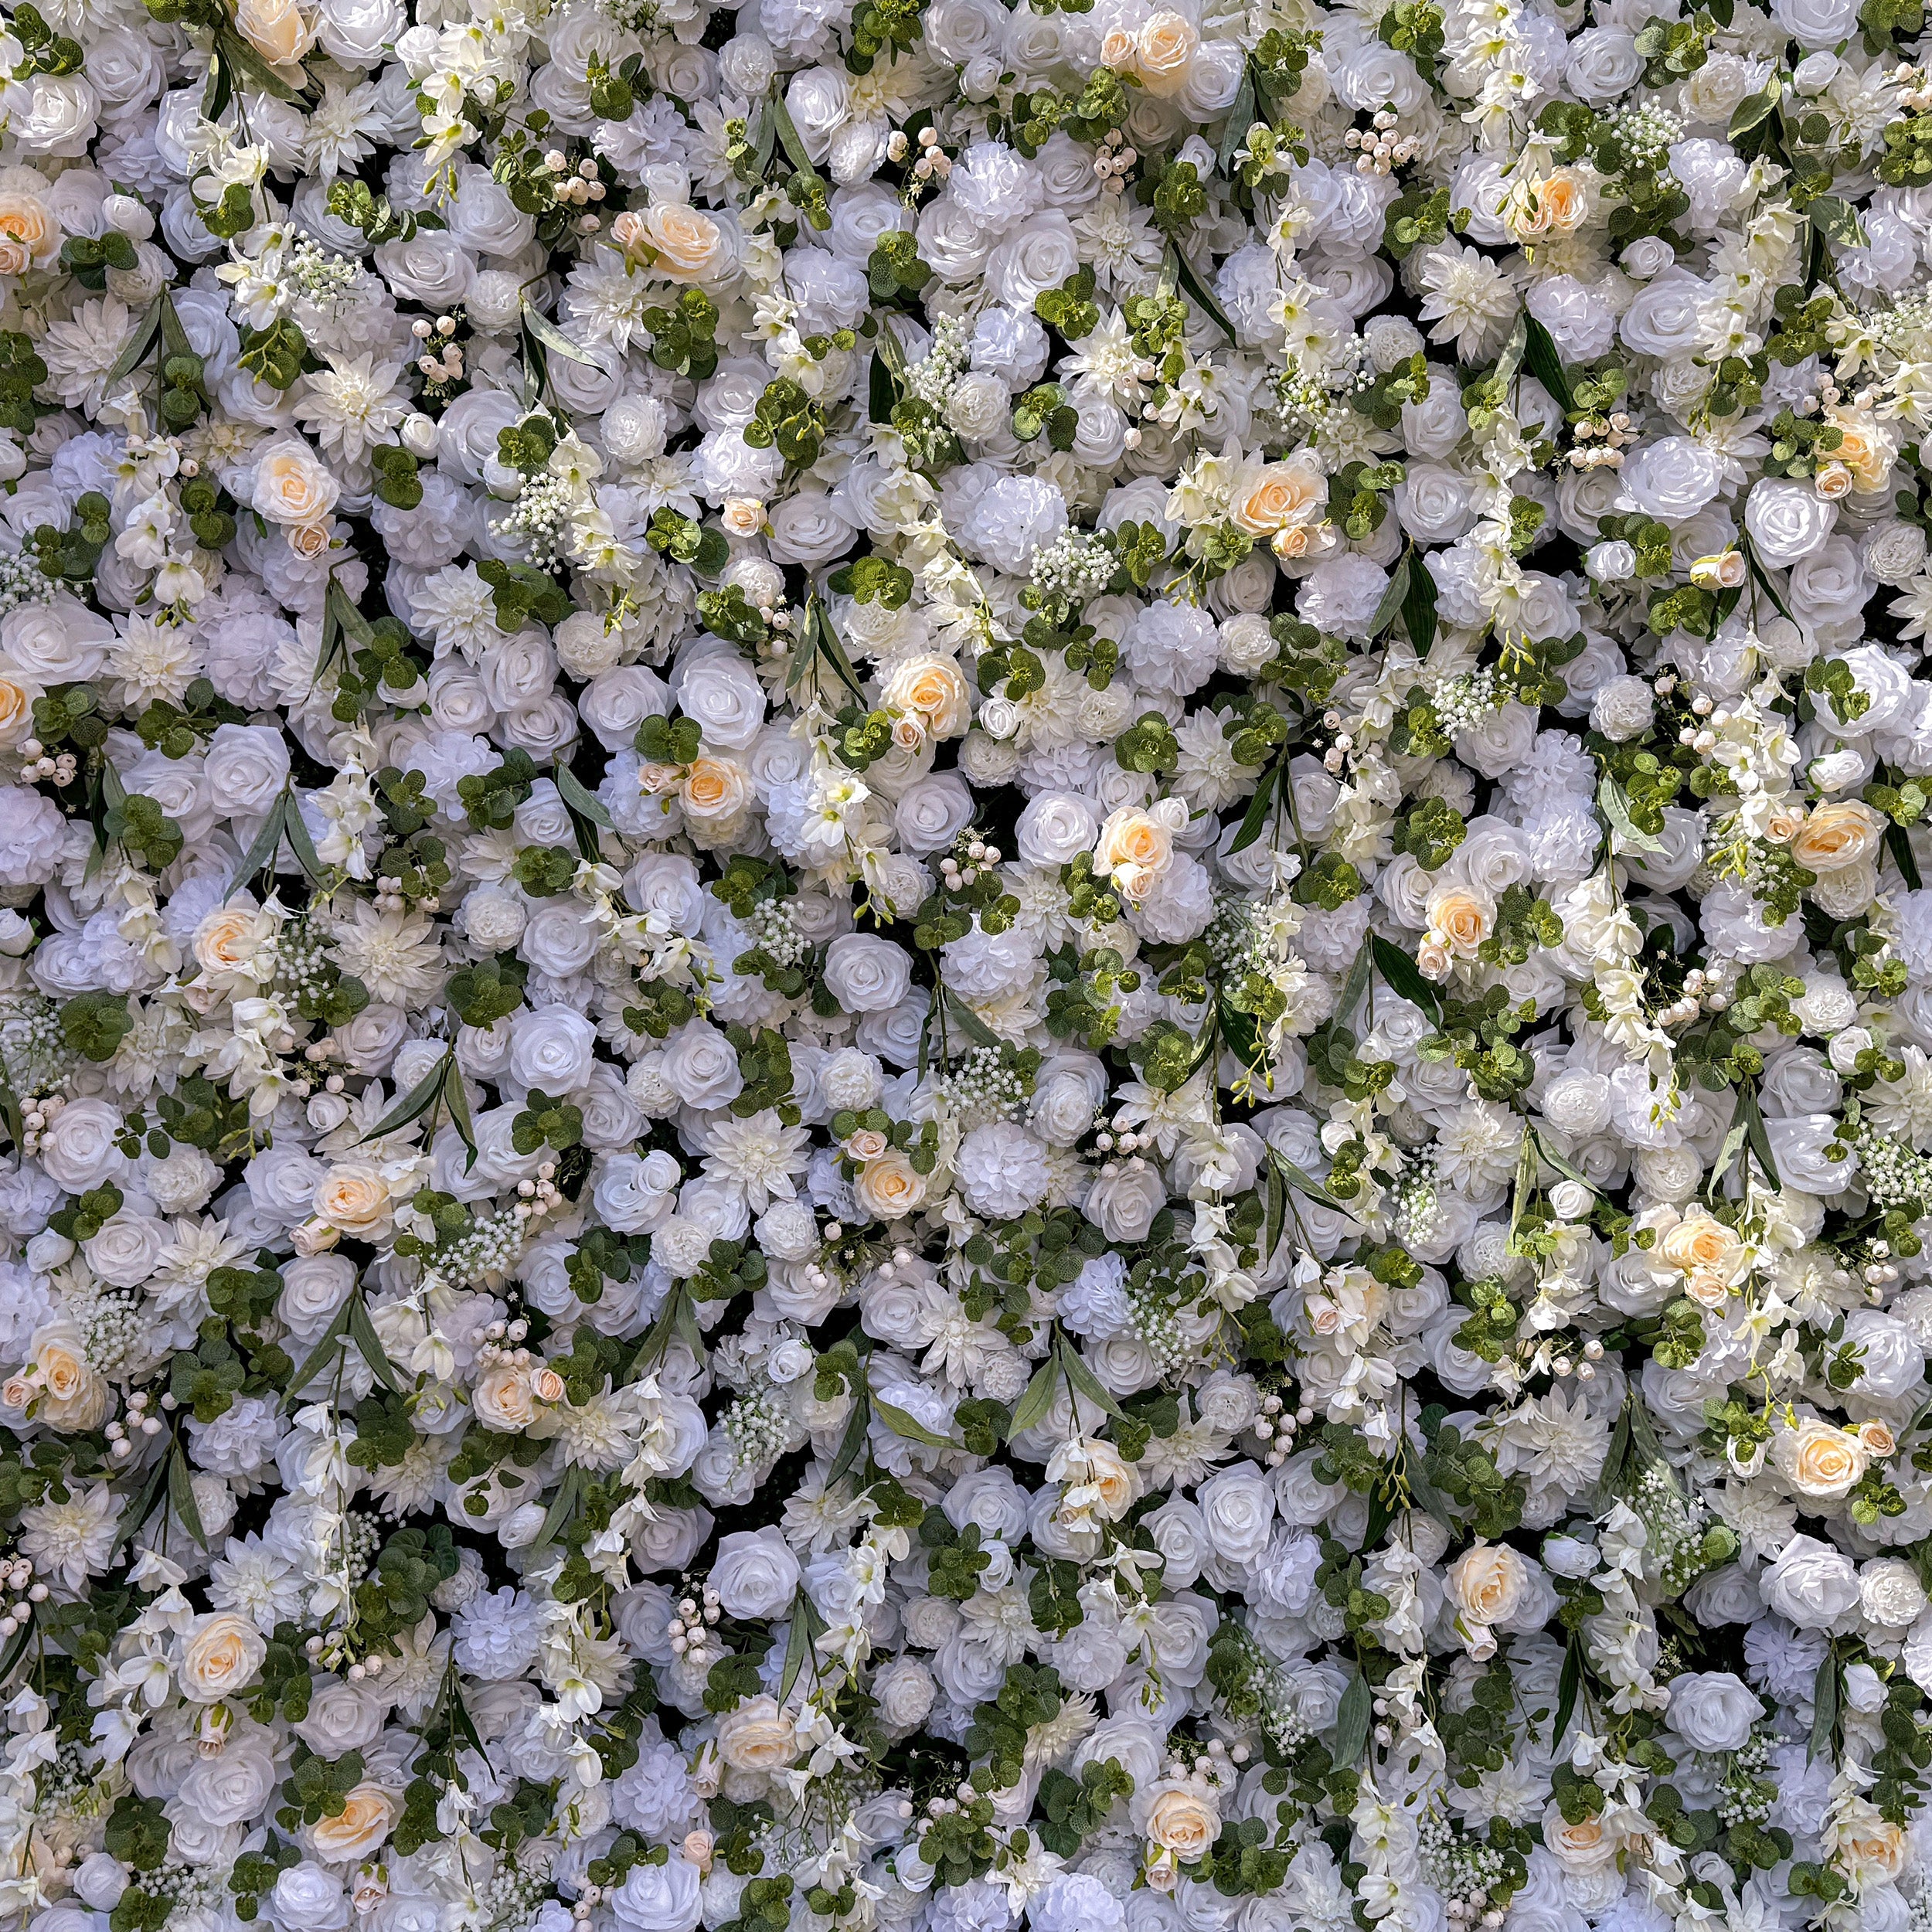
(1819, 1460)
(714, 789)
(682, 243)
(219, 1657)
(29, 232)
(890, 1187)
(1699, 1244)
(547, 1386)
(1268, 497)
(503, 1401)
(308, 540)
(16, 708)
(935, 688)
(1836, 837)
(1877, 1440)
(228, 939)
(1581, 1848)
(1866, 451)
(73, 1395)
(1181, 1821)
(1459, 920)
(757, 1736)
(1832, 481)
(742, 515)
(1164, 52)
(1135, 848)
(362, 1824)
(1563, 199)
(353, 1198)
(291, 486)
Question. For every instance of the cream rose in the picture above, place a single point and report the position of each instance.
(291, 486)
(219, 1657)
(503, 1400)
(1164, 52)
(1487, 1581)
(1182, 1821)
(353, 1198)
(1837, 837)
(890, 1188)
(365, 1819)
(74, 1395)
(682, 243)
(757, 1736)
(276, 30)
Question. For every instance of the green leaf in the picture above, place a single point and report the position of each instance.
(1755, 110)
(1824, 1695)
(1418, 606)
(969, 1022)
(1541, 358)
(1257, 814)
(138, 346)
(1511, 359)
(1760, 1141)
(1568, 1686)
(1387, 610)
(312, 1366)
(1034, 1406)
(416, 1101)
(1082, 1379)
(1405, 976)
(181, 1496)
(1352, 988)
(369, 1345)
(1839, 219)
(1240, 119)
(460, 1117)
(1613, 1462)
(902, 1423)
(807, 1624)
(296, 830)
(1352, 1722)
(562, 1509)
(554, 339)
(261, 853)
(142, 1504)
(882, 392)
(1197, 292)
(1305, 1184)
(854, 1441)
(585, 803)
(1616, 808)
(1898, 842)
(787, 132)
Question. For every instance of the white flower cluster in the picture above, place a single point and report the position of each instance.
(963, 964)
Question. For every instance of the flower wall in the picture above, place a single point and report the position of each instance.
(964, 965)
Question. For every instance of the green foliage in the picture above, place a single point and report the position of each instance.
(93, 1025)
(894, 268)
